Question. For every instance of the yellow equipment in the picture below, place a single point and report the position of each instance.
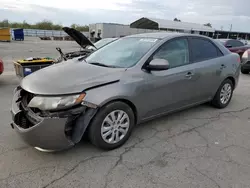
(27, 66)
(5, 34)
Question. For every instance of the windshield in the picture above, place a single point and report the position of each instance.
(125, 52)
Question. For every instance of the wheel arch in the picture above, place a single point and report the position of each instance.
(126, 101)
(232, 79)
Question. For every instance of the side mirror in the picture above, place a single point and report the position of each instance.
(158, 65)
(229, 46)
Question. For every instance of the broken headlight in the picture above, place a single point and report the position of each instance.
(55, 103)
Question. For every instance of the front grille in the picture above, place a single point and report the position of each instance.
(26, 97)
(30, 116)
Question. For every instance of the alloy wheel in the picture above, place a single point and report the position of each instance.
(225, 94)
(115, 126)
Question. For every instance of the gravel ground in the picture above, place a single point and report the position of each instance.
(199, 147)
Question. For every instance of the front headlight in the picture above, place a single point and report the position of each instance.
(54, 103)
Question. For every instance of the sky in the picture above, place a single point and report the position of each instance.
(220, 13)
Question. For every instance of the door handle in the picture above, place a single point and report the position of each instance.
(222, 66)
(189, 75)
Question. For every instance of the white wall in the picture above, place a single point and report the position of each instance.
(96, 27)
(116, 30)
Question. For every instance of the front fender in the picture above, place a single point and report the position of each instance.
(117, 91)
(104, 94)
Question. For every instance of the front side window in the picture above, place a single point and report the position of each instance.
(175, 52)
(203, 50)
(124, 52)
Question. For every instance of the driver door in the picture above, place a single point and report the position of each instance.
(171, 89)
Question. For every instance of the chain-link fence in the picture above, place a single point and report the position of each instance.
(45, 33)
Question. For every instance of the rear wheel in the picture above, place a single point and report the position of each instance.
(112, 126)
(223, 95)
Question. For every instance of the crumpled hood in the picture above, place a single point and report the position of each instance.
(82, 40)
(69, 77)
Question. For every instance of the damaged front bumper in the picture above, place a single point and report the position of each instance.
(53, 132)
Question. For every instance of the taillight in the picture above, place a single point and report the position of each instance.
(1, 66)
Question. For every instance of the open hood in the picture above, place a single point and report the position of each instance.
(78, 37)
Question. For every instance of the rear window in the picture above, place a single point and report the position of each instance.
(235, 43)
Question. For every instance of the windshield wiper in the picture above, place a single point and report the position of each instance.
(103, 65)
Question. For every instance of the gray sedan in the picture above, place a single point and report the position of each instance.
(132, 80)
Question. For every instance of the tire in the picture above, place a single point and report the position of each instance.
(95, 130)
(217, 101)
(243, 71)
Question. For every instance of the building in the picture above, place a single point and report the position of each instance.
(169, 25)
(231, 34)
(143, 25)
(110, 30)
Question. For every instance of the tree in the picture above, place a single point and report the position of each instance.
(4, 23)
(25, 25)
(177, 20)
(208, 24)
(73, 26)
(80, 28)
(44, 24)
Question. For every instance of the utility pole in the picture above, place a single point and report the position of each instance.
(228, 36)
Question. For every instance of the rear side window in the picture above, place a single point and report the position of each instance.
(203, 50)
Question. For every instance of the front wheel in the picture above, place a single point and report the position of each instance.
(112, 126)
(223, 95)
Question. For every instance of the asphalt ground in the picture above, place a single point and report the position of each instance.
(195, 148)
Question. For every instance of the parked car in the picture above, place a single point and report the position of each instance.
(130, 81)
(86, 45)
(1, 67)
(243, 40)
(235, 46)
(245, 62)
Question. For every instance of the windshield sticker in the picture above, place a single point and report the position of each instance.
(148, 40)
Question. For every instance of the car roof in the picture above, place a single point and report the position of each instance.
(162, 35)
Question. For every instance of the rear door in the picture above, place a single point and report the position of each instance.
(207, 60)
